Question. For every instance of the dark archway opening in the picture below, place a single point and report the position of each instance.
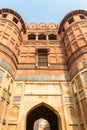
(52, 37)
(41, 37)
(32, 37)
(45, 113)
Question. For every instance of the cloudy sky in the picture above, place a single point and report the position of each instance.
(43, 10)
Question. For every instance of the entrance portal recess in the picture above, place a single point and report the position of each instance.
(42, 111)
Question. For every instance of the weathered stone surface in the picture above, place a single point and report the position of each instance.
(43, 73)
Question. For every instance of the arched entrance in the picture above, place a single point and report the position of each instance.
(43, 111)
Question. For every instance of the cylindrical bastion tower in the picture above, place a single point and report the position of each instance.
(73, 30)
(11, 28)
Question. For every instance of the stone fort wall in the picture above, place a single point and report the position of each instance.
(57, 86)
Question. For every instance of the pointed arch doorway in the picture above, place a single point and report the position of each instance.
(43, 111)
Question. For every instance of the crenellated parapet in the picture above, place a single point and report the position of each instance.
(42, 26)
(34, 30)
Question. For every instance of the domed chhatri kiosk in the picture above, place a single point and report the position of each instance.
(43, 73)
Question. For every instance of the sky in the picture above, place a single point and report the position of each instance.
(48, 11)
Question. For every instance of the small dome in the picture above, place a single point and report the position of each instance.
(52, 26)
(32, 25)
(42, 25)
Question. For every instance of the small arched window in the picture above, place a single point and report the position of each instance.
(52, 37)
(82, 17)
(31, 37)
(15, 20)
(71, 20)
(4, 15)
(42, 37)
